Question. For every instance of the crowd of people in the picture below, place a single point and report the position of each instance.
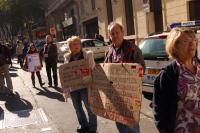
(176, 89)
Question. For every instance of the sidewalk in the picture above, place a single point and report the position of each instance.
(21, 113)
(43, 110)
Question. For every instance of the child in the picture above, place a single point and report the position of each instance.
(33, 50)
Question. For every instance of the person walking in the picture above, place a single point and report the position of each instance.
(9, 46)
(176, 88)
(122, 51)
(50, 56)
(33, 50)
(19, 52)
(81, 95)
(5, 59)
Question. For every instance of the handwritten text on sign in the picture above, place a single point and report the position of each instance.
(34, 63)
(116, 92)
(75, 75)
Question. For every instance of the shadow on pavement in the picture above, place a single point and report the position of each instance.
(13, 74)
(58, 89)
(12, 69)
(148, 96)
(50, 94)
(15, 104)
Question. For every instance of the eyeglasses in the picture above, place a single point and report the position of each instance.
(187, 42)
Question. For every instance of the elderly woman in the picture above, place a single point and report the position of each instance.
(81, 95)
(177, 94)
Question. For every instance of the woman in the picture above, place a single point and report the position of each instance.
(33, 50)
(81, 95)
(177, 94)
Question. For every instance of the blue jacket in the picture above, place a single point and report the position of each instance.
(165, 99)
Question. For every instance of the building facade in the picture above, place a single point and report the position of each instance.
(139, 18)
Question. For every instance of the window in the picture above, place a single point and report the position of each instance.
(93, 4)
(98, 44)
(82, 7)
(72, 12)
(156, 8)
(109, 11)
(194, 7)
(87, 44)
(129, 17)
(153, 48)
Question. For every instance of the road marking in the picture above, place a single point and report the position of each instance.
(46, 129)
(43, 115)
(22, 118)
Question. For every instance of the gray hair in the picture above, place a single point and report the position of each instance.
(115, 24)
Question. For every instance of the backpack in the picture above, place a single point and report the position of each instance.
(2, 56)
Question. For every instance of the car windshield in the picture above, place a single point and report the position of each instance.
(153, 48)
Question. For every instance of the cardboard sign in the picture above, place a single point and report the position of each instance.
(75, 75)
(34, 63)
(117, 91)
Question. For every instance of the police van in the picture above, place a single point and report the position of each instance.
(155, 56)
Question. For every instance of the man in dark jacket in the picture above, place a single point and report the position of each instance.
(122, 51)
(5, 59)
(50, 56)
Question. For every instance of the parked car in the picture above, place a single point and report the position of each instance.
(97, 47)
(156, 58)
(62, 48)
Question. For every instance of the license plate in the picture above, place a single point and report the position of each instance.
(153, 71)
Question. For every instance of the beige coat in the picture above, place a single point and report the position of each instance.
(88, 55)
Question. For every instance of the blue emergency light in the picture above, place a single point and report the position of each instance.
(185, 24)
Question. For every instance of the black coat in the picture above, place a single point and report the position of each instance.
(165, 99)
(5, 54)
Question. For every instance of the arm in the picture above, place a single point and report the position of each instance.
(138, 57)
(160, 101)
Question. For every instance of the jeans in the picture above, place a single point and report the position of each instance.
(52, 66)
(5, 71)
(125, 129)
(77, 97)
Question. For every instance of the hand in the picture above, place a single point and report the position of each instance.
(66, 94)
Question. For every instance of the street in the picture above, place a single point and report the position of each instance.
(35, 110)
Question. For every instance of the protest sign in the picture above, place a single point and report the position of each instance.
(34, 63)
(75, 75)
(116, 92)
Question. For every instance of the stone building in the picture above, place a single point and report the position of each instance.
(139, 17)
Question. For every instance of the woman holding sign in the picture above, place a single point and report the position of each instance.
(81, 95)
(33, 51)
(122, 51)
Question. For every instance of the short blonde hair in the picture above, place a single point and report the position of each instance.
(72, 39)
(173, 40)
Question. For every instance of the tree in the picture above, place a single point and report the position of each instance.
(19, 15)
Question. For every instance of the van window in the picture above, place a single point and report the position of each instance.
(153, 48)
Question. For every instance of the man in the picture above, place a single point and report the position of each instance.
(50, 55)
(5, 59)
(122, 51)
(19, 52)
